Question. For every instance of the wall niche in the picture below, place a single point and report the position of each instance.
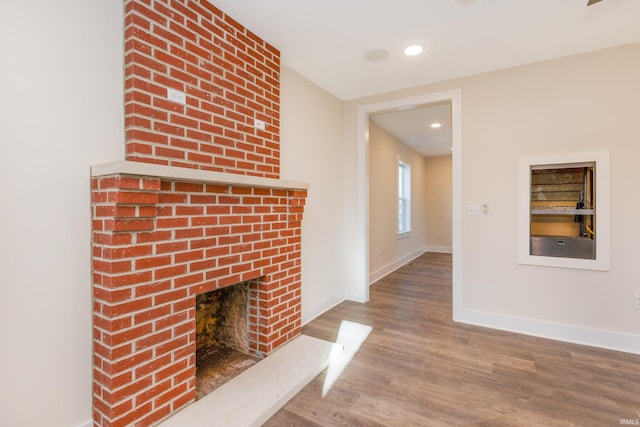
(564, 211)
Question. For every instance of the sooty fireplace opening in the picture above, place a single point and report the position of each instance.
(222, 348)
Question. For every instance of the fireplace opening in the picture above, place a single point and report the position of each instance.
(222, 346)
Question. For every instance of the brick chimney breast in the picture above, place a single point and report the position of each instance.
(197, 205)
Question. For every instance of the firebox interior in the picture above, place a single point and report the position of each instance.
(222, 349)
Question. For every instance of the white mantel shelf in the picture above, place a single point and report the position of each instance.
(191, 175)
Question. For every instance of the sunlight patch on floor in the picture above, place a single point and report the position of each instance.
(351, 336)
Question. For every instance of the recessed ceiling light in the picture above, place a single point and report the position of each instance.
(413, 49)
(436, 125)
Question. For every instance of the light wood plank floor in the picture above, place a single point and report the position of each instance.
(418, 368)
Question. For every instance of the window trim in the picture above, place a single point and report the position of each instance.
(405, 168)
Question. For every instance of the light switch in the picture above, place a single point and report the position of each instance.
(474, 210)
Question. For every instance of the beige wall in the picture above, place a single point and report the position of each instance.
(311, 145)
(61, 110)
(386, 251)
(438, 193)
(580, 103)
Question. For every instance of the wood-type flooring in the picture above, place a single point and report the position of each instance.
(419, 368)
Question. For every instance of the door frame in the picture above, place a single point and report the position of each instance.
(361, 292)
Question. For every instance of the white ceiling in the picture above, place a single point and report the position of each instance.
(325, 41)
(413, 127)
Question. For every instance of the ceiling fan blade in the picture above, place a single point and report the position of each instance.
(590, 2)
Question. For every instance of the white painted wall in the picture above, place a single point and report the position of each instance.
(61, 110)
(310, 147)
(438, 204)
(386, 251)
(580, 103)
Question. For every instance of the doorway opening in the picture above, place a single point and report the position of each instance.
(409, 161)
(454, 97)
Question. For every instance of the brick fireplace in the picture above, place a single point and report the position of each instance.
(196, 205)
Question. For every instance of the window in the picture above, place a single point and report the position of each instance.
(564, 211)
(404, 197)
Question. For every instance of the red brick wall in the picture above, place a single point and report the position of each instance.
(229, 75)
(157, 244)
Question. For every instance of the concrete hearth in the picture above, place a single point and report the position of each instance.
(254, 396)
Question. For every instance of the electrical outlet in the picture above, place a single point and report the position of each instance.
(176, 96)
(636, 302)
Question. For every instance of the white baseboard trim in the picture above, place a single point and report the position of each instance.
(440, 249)
(610, 340)
(390, 268)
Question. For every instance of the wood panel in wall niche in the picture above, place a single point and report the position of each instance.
(228, 76)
